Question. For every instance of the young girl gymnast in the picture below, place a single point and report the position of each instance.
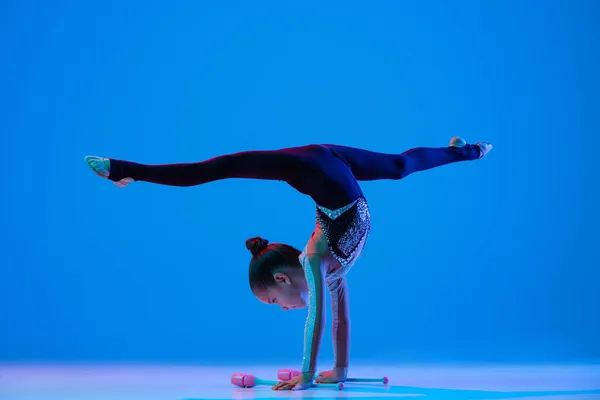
(281, 274)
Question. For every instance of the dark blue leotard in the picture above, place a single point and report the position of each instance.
(327, 173)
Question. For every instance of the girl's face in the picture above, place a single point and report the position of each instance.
(285, 293)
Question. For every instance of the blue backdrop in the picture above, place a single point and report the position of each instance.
(493, 260)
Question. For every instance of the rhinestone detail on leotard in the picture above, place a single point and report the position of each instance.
(346, 230)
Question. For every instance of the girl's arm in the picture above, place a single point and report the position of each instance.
(313, 330)
(312, 263)
(340, 307)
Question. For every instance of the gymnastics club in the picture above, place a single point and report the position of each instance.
(248, 381)
(287, 374)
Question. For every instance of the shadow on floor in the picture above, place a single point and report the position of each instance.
(461, 394)
(378, 392)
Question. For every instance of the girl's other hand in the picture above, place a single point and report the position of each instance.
(333, 376)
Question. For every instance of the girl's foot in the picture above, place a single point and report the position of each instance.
(484, 147)
(101, 167)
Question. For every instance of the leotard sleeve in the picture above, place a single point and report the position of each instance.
(312, 263)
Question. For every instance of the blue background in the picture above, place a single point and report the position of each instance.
(493, 260)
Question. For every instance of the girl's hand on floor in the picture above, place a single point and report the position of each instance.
(333, 376)
(300, 382)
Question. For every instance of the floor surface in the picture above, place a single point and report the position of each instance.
(143, 382)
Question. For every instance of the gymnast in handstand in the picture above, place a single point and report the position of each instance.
(281, 274)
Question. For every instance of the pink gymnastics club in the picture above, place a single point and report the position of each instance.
(287, 374)
(248, 381)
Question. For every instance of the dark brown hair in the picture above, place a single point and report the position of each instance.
(266, 260)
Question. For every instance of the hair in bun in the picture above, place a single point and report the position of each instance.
(256, 245)
(266, 260)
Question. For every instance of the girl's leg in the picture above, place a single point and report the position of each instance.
(368, 166)
(312, 170)
(283, 165)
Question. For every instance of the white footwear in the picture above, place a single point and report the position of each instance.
(101, 167)
(484, 147)
(123, 182)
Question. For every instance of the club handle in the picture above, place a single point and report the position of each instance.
(258, 381)
(383, 380)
